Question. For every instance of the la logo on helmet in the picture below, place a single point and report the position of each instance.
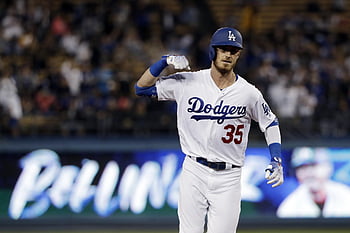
(231, 36)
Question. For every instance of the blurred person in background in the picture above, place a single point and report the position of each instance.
(10, 101)
(317, 195)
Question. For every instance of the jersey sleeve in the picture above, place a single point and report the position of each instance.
(262, 113)
(168, 87)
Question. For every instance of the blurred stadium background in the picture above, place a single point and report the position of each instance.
(68, 67)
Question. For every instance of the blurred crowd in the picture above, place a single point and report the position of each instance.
(69, 68)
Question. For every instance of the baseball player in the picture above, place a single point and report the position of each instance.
(215, 109)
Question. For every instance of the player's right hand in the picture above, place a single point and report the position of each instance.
(274, 172)
(179, 62)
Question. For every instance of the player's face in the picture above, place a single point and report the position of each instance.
(226, 58)
(314, 175)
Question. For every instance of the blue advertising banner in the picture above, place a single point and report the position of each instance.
(45, 183)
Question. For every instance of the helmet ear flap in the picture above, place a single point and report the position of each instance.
(212, 53)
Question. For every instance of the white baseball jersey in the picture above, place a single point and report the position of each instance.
(214, 123)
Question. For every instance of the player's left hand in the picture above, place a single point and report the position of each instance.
(274, 172)
(179, 62)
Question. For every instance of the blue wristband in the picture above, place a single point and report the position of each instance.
(275, 150)
(158, 67)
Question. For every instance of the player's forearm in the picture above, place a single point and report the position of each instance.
(273, 140)
(147, 79)
(274, 171)
(145, 86)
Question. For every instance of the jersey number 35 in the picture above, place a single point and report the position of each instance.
(234, 133)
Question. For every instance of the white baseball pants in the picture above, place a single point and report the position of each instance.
(205, 192)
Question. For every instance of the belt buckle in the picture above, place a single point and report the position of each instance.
(212, 165)
(221, 166)
(217, 166)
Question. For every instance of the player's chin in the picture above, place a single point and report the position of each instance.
(224, 68)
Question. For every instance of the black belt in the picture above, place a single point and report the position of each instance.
(214, 165)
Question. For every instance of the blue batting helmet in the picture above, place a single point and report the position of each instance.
(225, 36)
(307, 155)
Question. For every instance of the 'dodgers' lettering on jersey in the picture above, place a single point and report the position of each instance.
(219, 112)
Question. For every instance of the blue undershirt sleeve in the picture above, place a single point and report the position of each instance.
(146, 91)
